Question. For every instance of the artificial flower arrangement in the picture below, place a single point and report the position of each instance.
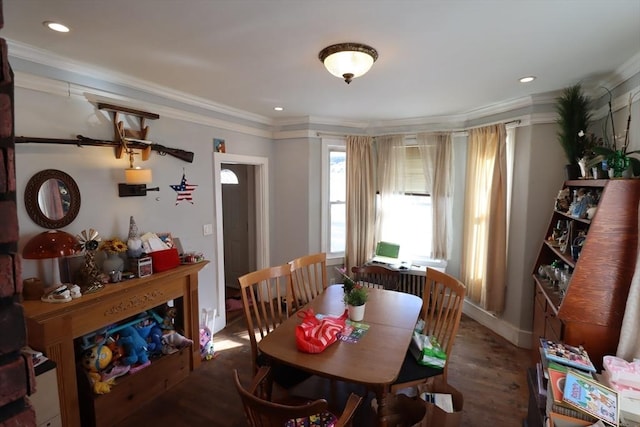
(113, 246)
(354, 293)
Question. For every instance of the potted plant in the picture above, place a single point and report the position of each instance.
(616, 160)
(573, 117)
(357, 296)
(356, 299)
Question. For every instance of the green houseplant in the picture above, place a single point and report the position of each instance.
(574, 116)
(357, 296)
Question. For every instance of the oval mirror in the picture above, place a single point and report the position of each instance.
(52, 198)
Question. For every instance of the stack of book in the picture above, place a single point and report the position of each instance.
(574, 397)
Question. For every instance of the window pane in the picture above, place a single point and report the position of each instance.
(407, 221)
(337, 176)
(338, 220)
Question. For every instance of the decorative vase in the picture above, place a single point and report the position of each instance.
(113, 262)
(356, 312)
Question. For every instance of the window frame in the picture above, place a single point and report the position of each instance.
(328, 144)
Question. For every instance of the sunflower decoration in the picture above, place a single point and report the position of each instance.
(113, 246)
(89, 276)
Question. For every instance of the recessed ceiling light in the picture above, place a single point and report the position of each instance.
(56, 26)
(527, 79)
(278, 108)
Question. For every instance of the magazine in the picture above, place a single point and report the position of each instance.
(353, 331)
(591, 397)
(575, 357)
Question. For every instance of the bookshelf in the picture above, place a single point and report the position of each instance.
(590, 311)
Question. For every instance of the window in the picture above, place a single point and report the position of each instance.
(337, 200)
(334, 183)
(406, 218)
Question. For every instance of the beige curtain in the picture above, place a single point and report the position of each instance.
(437, 162)
(483, 268)
(360, 200)
(390, 174)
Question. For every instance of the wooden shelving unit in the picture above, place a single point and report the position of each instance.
(52, 329)
(591, 310)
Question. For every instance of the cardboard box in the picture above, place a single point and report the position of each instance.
(165, 260)
(436, 416)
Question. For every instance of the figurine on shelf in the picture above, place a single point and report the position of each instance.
(89, 277)
(563, 200)
(582, 202)
(134, 242)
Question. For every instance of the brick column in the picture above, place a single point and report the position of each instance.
(16, 372)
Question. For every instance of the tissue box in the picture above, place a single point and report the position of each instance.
(165, 260)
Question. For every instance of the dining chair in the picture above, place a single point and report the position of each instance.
(264, 413)
(309, 278)
(442, 302)
(263, 294)
(377, 276)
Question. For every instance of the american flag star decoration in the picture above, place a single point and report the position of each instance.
(184, 190)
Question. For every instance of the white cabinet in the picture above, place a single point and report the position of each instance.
(45, 400)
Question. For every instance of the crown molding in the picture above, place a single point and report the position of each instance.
(43, 57)
(276, 128)
(623, 73)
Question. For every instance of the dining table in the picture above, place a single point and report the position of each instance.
(374, 360)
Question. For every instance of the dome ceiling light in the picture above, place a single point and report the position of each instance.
(348, 60)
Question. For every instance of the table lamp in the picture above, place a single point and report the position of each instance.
(51, 244)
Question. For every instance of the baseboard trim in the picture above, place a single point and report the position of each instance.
(506, 330)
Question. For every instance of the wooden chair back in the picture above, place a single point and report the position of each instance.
(309, 277)
(263, 413)
(442, 302)
(264, 296)
(377, 276)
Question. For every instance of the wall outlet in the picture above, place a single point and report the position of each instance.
(207, 229)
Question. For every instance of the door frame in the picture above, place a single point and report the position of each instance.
(261, 165)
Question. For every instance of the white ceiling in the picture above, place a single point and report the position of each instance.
(436, 58)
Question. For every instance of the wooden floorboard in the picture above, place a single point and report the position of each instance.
(488, 370)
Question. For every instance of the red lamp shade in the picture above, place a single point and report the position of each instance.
(50, 244)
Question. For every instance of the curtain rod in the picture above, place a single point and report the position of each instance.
(456, 132)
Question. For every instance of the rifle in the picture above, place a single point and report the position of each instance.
(178, 153)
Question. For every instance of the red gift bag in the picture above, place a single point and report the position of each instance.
(313, 335)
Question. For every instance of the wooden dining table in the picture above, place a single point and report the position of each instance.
(374, 360)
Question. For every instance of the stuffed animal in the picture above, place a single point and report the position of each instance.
(100, 387)
(174, 341)
(96, 358)
(134, 346)
(154, 341)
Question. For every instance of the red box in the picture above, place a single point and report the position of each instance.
(165, 260)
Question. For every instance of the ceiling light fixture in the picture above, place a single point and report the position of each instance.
(348, 60)
(527, 79)
(278, 108)
(56, 26)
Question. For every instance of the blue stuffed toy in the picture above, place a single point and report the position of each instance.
(154, 341)
(134, 346)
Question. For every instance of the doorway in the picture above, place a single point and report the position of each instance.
(241, 221)
(238, 225)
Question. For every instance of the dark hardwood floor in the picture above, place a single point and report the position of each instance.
(488, 370)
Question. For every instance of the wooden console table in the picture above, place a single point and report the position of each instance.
(52, 328)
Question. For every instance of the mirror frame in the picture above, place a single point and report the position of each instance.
(31, 199)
